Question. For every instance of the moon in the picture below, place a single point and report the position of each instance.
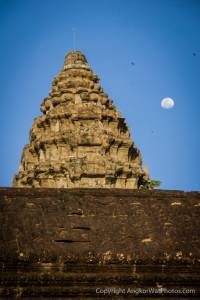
(167, 103)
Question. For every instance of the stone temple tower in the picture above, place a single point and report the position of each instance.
(80, 140)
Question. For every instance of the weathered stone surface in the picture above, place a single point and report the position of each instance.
(80, 140)
(68, 242)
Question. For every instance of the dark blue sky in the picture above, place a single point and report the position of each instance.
(162, 38)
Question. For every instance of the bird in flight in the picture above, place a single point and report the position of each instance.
(195, 53)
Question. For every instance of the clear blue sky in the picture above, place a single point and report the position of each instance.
(160, 37)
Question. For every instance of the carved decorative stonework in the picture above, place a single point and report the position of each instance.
(70, 243)
(80, 140)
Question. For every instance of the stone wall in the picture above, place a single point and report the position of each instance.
(68, 242)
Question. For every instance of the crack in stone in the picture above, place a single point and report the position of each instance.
(81, 227)
(70, 241)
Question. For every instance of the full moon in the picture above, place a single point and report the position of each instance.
(167, 103)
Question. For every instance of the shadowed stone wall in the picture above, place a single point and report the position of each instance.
(69, 242)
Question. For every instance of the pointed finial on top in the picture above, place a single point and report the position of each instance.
(74, 38)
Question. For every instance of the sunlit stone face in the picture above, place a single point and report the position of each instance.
(80, 140)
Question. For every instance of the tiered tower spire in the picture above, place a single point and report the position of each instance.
(80, 140)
